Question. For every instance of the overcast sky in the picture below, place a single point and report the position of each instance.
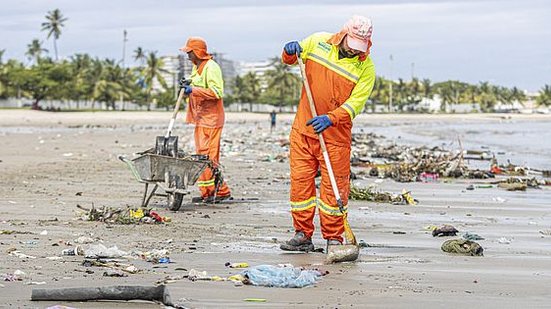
(503, 42)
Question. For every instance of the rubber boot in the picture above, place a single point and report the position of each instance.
(299, 242)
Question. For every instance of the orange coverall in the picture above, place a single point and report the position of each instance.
(206, 111)
(340, 89)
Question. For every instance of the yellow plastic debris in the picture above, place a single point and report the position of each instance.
(256, 300)
(137, 214)
(407, 196)
(236, 278)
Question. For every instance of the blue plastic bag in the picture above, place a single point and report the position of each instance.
(281, 277)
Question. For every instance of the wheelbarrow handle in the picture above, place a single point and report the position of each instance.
(131, 166)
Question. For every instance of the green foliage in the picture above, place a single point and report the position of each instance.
(35, 50)
(544, 99)
(283, 85)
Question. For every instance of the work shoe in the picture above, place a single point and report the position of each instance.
(211, 199)
(299, 242)
(332, 242)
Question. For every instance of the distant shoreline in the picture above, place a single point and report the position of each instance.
(17, 117)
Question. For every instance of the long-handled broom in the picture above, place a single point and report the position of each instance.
(350, 251)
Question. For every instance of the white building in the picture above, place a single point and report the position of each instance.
(180, 66)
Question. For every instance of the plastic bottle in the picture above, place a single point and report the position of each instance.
(73, 251)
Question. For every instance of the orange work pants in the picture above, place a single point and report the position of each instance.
(305, 159)
(207, 142)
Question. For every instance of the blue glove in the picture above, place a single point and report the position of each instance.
(292, 48)
(187, 89)
(320, 123)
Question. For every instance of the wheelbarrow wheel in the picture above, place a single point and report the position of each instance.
(175, 199)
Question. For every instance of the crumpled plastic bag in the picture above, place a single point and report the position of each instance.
(101, 251)
(281, 277)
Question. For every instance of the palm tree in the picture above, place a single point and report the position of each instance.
(35, 50)
(544, 97)
(139, 55)
(53, 25)
(518, 95)
(427, 88)
(251, 90)
(151, 72)
(80, 65)
(487, 97)
(2, 51)
(379, 94)
(283, 85)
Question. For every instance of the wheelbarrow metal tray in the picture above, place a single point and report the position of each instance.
(152, 167)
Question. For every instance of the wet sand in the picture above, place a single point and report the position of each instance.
(47, 158)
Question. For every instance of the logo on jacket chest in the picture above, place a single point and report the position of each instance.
(326, 47)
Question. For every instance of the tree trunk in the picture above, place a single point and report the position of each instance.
(35, 105)
(55, 49)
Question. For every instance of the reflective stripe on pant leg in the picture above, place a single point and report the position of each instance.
(202, 141)
(331, 219)
(214, 155)
(304, 205)
(304, 167)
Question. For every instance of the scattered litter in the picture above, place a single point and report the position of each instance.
(504, 240)
(236, 265)
(369, 194)
(499, 199)
(463, 247)
(9, 232)
(472, 236)
(164, 260)
(84, 240)
(122, 216)
(35, 283)
(255, 300)
(470, 187)
(170, 279)
(112, 265)
(60, 307)
(445, 230)
(520, 184)
(114, 273)
(68, 154)
(484, 186)
(283, 277)
(195, 275)
(17, 275)
(43, 233)
(428, 177)
(546, 232)
(73, 251)
(408, 164)
(21, 255)
(101, 251)
(154, 256)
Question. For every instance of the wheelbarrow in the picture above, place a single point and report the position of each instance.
(173, 175)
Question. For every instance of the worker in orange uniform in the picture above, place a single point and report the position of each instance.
(341, 77)
(206, 111)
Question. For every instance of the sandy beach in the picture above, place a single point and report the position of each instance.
(51, 162)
